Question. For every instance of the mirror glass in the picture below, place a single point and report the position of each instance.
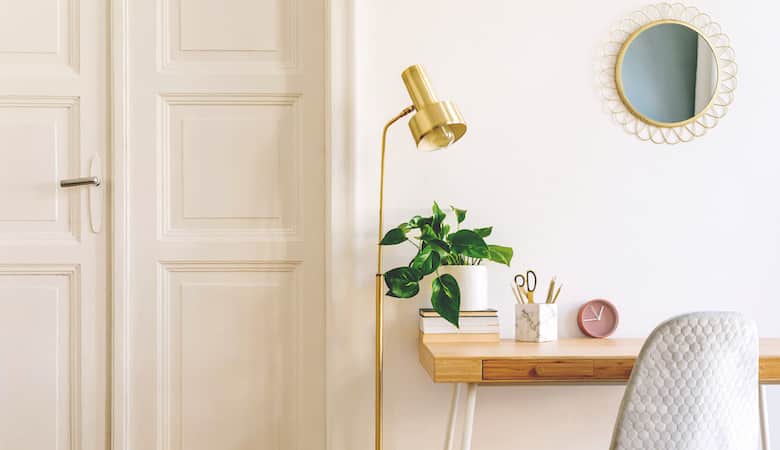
(668, 73)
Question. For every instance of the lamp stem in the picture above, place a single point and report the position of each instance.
(379, 306)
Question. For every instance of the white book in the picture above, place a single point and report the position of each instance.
(464, 321)
(438, 325)
(452, 330)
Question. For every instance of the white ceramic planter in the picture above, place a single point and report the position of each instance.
(472, 281)
(536, 322)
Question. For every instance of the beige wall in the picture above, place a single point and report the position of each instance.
(658, 230)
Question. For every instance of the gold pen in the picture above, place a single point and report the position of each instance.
(550, 290)
(555, 299)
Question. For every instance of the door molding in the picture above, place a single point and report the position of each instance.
(349, 342)
(119, 190)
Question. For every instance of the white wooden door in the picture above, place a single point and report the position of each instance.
(224, 322)
(53, 266)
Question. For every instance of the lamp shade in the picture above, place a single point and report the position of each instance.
(436, 124)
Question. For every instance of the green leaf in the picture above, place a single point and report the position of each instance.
(415, 222)
(404, 227)
(441, 247)
(438, 218)
(468, 243)
(483, 232)
(438, 214)
(424, 221)
(426, 262)
(393, 237)
(402, 282)
(445, 298)
(459, 213)
(499, 254)
(445, 230)
(427, 233)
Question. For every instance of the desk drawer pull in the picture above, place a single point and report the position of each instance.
(519, 369)
(565, 369)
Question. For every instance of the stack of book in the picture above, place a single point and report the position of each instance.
(475, 326)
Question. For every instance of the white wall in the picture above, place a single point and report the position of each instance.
(658, 230)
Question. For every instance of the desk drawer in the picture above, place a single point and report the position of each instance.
(537, 369)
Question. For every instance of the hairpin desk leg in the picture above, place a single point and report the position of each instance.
(765, 444)
(454, 406)
(468, 424)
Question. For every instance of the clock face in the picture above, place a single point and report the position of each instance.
(598, 318)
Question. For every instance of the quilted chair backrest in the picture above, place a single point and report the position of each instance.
(694, 387)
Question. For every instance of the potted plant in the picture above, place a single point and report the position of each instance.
(453, 258)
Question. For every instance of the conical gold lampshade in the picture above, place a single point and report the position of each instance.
(436, 124)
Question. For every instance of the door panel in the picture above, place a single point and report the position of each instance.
(236, 36)
(40, 148)
(41, 36)
(53, 268)
(229, 355)
(231, 166)
(225, 318)
(39, 350)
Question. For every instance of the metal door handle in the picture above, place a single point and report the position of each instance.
(94, 196)
(83, 181)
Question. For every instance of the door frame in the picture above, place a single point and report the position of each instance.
(339, 145)
(349, 343)
(119, 190)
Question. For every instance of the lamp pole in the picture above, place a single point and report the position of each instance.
(436, 125)
(379, 297)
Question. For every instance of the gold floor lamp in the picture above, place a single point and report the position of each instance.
(436, 125)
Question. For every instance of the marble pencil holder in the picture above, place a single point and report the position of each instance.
(536, 322)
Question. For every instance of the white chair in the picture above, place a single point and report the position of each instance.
(694, 387)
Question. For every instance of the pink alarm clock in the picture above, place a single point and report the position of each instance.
(598, 318)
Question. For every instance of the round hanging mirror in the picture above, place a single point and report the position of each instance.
(669, 73)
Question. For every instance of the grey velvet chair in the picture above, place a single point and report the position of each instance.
(694, 387)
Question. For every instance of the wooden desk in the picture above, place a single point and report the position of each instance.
(563, 361)
(566, 361)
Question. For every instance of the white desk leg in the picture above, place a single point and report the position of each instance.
(468, 424)
(762, 408)
(454, 406)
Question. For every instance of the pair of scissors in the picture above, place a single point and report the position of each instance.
(526, 284)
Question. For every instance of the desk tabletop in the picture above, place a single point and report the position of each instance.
(563, 361)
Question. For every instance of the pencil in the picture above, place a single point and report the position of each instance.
(550, 290)
(555, 299)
